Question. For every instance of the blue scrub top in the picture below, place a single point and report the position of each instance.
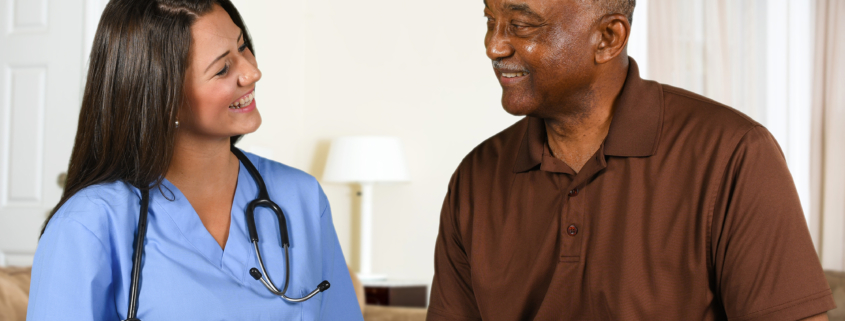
(84, 259)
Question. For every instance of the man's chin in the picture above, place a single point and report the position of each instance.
(518, 106)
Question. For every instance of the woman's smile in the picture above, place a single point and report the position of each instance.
(244, 104)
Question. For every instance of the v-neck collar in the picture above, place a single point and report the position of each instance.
(233, 259)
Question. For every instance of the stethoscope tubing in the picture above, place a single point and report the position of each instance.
(134, 286)
(263, 200)
(264, 277)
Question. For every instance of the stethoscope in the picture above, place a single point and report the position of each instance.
(262, 200)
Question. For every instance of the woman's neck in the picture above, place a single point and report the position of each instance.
(203, 166)
(206, 172)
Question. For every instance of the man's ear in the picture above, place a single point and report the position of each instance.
(613, 30)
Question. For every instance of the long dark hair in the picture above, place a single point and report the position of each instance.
(134, 90)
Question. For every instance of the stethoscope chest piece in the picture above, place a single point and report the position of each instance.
(263, 200)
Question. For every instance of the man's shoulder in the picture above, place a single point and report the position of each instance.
(498, 149)
(685, 108)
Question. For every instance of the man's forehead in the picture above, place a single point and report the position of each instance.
(525, 6)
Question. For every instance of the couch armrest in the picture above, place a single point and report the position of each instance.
(14, 293)
(836, 280)
(383, 313)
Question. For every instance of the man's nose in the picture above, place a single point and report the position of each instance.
(498, 45)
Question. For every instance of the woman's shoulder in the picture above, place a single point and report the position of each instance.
(272, 171)
(288, 180)
(102, 195)
(98, 207)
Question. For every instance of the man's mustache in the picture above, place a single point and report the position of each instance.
(509, 67)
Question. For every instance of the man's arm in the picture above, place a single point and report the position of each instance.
(452, 297)
(818, 317)
(764, 264)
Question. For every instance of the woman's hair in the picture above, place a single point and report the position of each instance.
(134, 90)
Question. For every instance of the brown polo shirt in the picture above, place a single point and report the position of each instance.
(686, 212)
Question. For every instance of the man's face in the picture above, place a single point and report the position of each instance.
(542, 52)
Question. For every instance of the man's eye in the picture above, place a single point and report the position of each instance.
(223, 71)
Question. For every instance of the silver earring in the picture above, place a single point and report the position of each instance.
(177, 124)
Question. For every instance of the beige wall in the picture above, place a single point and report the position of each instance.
(416, 70)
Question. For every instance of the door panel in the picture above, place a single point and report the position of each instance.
(41, 80)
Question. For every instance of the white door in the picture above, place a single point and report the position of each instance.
(43, 50)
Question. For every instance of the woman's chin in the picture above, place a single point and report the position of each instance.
(249, 125)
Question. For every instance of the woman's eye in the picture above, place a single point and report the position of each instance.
(223, 71)
(242, 48)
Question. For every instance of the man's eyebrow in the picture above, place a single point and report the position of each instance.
(523, 8)
(223, 55)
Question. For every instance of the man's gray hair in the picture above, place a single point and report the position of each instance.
(625, 7)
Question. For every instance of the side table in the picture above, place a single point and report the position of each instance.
(399, 293)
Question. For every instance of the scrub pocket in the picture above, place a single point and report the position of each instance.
(311, 308)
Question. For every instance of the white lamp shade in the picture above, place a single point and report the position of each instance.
(366, 159)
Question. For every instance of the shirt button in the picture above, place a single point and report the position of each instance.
(573, 193)
(572, 230)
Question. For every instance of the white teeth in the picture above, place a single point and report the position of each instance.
(513, 74)
(243, 102)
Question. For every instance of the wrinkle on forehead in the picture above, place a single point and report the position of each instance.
(542, 8)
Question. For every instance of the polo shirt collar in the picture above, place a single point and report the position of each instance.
(634, 130)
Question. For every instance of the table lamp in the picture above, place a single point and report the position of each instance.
(366, 160)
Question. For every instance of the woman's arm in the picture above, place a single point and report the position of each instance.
(339, 301)
(71, 275)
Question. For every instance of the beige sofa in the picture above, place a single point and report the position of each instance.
(837, 285)
(14, 289)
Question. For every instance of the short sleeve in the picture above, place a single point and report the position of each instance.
(452, 296)
(765, 266)
(71, 275)
(339, 301)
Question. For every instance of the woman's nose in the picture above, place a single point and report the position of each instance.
(250, 75)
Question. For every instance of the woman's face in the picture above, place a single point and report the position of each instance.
(220, 81)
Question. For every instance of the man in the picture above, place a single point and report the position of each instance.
(616, 198)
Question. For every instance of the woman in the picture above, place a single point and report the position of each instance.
(171, 86)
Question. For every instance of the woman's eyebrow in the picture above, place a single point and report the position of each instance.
(224, 54)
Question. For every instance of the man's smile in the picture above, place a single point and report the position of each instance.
(509, 73)
(508, 77)
(513, 74)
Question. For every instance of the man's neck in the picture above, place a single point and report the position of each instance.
(574, 138)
